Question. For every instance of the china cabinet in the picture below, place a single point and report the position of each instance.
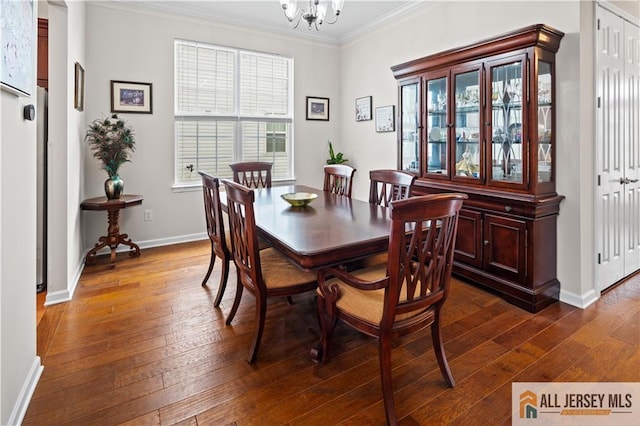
(480, 120)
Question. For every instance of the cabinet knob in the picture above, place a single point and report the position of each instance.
(507, 209)
(486, 242)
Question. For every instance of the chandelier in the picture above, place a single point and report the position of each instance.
(315, 13)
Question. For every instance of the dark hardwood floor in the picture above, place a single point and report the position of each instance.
(142, 344)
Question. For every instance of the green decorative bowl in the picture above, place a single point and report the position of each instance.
(299, 199)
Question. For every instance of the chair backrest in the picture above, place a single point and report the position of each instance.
(420, 261)
(244, 236)
(213, 211)
(389, 185)
(338, 179)
(252, 174)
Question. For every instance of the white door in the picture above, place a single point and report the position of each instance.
(617, 215)
(632, 147)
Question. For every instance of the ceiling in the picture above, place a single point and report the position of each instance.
(356, 18)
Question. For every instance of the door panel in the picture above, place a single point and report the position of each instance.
(632, 147)
(469, 238)
(505, 246)
(610, 150)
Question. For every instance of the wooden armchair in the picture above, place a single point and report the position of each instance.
(338, 179)
(264, 273)
(216, 232)
(252, 174)
(405, 295)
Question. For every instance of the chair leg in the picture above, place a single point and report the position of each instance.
(386, 379)
(212, 262)
(236, 301)
(261, 313)
(320, 352)
(438, 348)
(223, 282)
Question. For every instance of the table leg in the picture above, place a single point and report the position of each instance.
(113, 239)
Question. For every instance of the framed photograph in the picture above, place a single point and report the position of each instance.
(317, 108)
(18, 70)
(128, 96)
(385, 119)
(78, 93)
(363, 108)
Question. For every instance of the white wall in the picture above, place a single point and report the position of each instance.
(131, 46)
(66, 150)
(19, 364)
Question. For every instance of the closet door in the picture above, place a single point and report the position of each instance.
(632, 147)
(617, 210)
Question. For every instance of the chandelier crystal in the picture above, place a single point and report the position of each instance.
(315, 13)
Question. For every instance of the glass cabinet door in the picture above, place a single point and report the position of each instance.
(545, 117)
(506, 110)
(467, 150)
(437, 127)
(409, 132)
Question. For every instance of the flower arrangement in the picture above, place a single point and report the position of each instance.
(335, 158)
(112, 141)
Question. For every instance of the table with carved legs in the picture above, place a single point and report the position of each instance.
(113, 238)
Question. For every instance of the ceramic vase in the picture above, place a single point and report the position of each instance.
(114, 187)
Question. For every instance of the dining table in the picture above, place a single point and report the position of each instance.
(331, 230)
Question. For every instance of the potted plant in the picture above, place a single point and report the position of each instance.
(335, 158)
(112, 141)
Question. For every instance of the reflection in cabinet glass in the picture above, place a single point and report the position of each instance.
(506, 111)
(437, 126)
(409, 134)
(488, 131)
(467, 124)
(545, 117)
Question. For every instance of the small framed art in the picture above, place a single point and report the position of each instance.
(385, 119)
(363, 108)
(129, 96)
(78, 92)
(317, 108)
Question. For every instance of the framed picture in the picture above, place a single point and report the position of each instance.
(363, 108)
(385, 119)
(78, 93)
(18, 70)
(317, 108)
(128, 96)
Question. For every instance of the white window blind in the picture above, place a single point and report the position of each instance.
(231, 105)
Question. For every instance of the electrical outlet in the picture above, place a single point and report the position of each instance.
(148, 215)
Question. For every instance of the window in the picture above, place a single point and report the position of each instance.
(231, 105)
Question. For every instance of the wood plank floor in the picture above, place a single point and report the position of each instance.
(142, 344)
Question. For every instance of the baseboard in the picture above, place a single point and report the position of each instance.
(26, 393)
(581, 301)
(154, 243)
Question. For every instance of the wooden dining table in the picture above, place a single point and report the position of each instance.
(331, 230)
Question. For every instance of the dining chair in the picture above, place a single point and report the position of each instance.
(389, 185)
(404, 296)
(216, 231)
(338, 179)
(252, 174)
(385, 186)
(264, 273)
